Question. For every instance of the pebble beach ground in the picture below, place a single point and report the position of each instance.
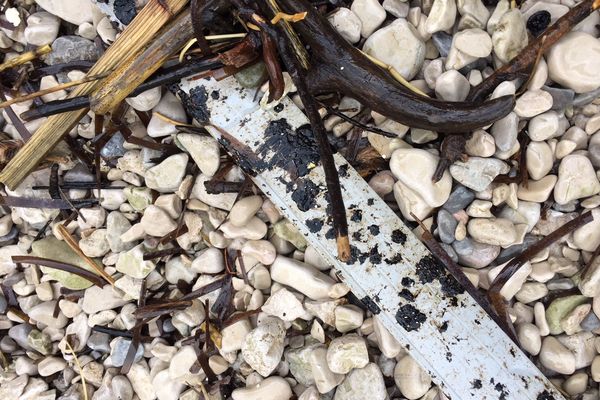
(286, 337)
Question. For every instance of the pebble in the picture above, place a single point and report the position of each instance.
(556, 357)
(411, 379)
(529, 338)
(139, 376)
(560, 308)
(474, 254)
(398, 45)
(442, 42)
(303, 277)
(576, 179)
(510, 35)
(588, 236)
(544, 126)
(165, 387)
(167, 176)
(209, 261)
(119, 349)
(234, 334)
(96, 244)
(537, 191)
(244, 210)
(168, 106)
(532, 103)
(346, 353)
(477, 173)
(473, 42)
(397, 8)
(64, 9)
(441, 17)
(263, 346)
(539, 159)
(370, 13)
(132, 263)
(574, 60)
(324, 379)
(347, 318)
(71, 48)
(181, 362)
(284, 305)
(452, 86)
(146, 100)
(204, 151)
(156, 222)
(570, 323)
(272, 388)
(363, 383)
(493, 231)
(505, 132)
(347, 23)
(51, 365)
(42, 28)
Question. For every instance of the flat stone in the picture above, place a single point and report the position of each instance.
(156, 222)
(537, 191)
(561, 97)
(559, 308)
(477, 173)
(505, 132)
(556, 357)
(272, 388)
(410, 378)
(146, 100)
(43, 313)
(539, 159)
(446, 225)
(574, 61)
(299, 361)
(493, 231)
(167, 176)
(303, 277)
(576, 179)
(71, 48)
(442, 42)
(544, 126)
(473, 42)
(532, 103)
(170, 107)
(459, 199)
(284, 305)
(362, 383)
(441, 17)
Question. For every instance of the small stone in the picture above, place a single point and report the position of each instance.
(346, 353)
(559, 308)
(473, 42)
(42, 28)
(574, 61)
(570, 323)
(170, 107)
(452, 86)
(166, 388)
(505, 132)
(494, 231)
(398, 45)
(588, 237)
(40, 342)
(397, 8)
(529, 338)
(156, 222)
(263, 346)
(474, 254)
(116, 225)
(139, 376)
(284, 305)
(272, 388)
(537, 191)
(576, 179)
(146, 100)
(204, 150)
(181, 362)
(132, 263)
(532, 103)
(544, 126)
(120, 348)
(323, 377)
(441, 17)
(556, 357)
(209, 261)
(370, 13)
(539, 159)
(302, 277)
(362, 383)
(411, 379)
(97, 299)
(71, 48)
(446, 226)
(244, 210)
(300, 365)
(347, 318)
(234, 334)
(347, 23)
(223, 201)
(167, 176)
(51, 365)
(442, 42)
(64, 9)
(96, 244)
(477, 173)
(561, 97)
(460, 198)
(510, 35)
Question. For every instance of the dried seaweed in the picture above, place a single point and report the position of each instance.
(211, 287)
(163, 253)
(62, 266)
(156, 310)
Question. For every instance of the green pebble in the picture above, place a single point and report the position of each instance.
(559, 309)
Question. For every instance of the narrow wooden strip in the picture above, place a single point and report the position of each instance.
(62, 266)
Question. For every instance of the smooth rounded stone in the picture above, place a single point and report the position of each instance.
(582, 346)
(253, 230)
(442, 42)
(589, 285)
(347, 23)
(540, 75)
(588, 236)
(97, 299)
(362, 383)
(177, 270)
(370, 13)
(261, 250)
(302, 277)
(347, 318)
(323, 378)
(284, 305)
(556, 357)
(169, 106)
(51, 365)
(544, 126)
(441, 17)
(272, 388)
(71, 48)
(204, 150)
(474, 254)
(446, 225)
(181, 362)
(505, 132)
(539, 159)
(20, 334)
(460, 198)
(146, 100)
(576, 179)
(573, 62)
(477, 173)
(452, 86)
(398, 45)
(473, 42)
(244, 210)
(263, 346)
(138, 197)
(531, 291)
(590, 323)
(156, 222)
(165, 387)
(234, 334)
(6, 253)
(537, 191)
(532, 103)
(120, 348)
(510, 35)
(494, 231)
(410, 203)
(167, 176)
(561, 97)
(397, 8)
(43, 313)
(414, 168)
(570, 323)
(411, 379)
(480, 144)
(559, 309)
(593, 124)
(480, 209)
(42, 28)
(132, 263)
(141, 381)
(346, 353)
(64, 9)
(209, 261)
(96, 244)
(223, 201)
(576, 384)
(529, 338)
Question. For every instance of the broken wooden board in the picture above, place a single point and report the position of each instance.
(392, 272)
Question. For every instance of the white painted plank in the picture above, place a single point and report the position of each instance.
(448, 334)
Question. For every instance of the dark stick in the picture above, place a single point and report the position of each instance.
(62, 266)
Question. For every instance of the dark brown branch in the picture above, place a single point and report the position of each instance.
(276, 83)
(62, 266)
(26, 202)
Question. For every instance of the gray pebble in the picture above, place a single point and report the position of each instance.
(99, 341)
(72, 48)
(450, 251)
(19, 334)
(460, 198)
(79, 173)
(443, 42)
(512, 251)
(590, 322)
(479, 64)
(114, 147)
(586, 98)
(474, 254)
(446, 225)
(569, 207)
(3, 304)
(10, 237)
(253, 76)
(560, 284)
(561, 98)
(120, 349)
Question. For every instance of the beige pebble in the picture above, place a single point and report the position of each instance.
(557, 357)
(537, 191)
